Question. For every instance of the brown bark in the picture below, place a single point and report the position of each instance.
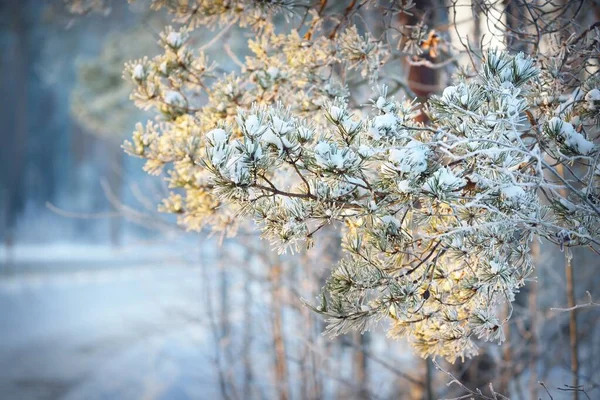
(360, 364)
(533, 344)
(281, 374)
(570, 286)
(572, 324)
(421, 79)
(429, 392)
(507, 359)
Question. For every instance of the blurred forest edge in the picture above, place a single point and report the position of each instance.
(514, 368)
(51, 157)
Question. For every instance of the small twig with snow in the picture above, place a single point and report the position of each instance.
(590, 303)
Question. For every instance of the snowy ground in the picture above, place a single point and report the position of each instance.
(88, 322)
(91, 323)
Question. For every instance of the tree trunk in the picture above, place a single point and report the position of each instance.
(533, 343)
(281, 374)
(247, 340)
(360, 364)
(570, 286)
(115, 182)
(13, 152)
(429, 392)
(572, 323)
(507, 358)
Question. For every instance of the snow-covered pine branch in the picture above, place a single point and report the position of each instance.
(437, 216)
